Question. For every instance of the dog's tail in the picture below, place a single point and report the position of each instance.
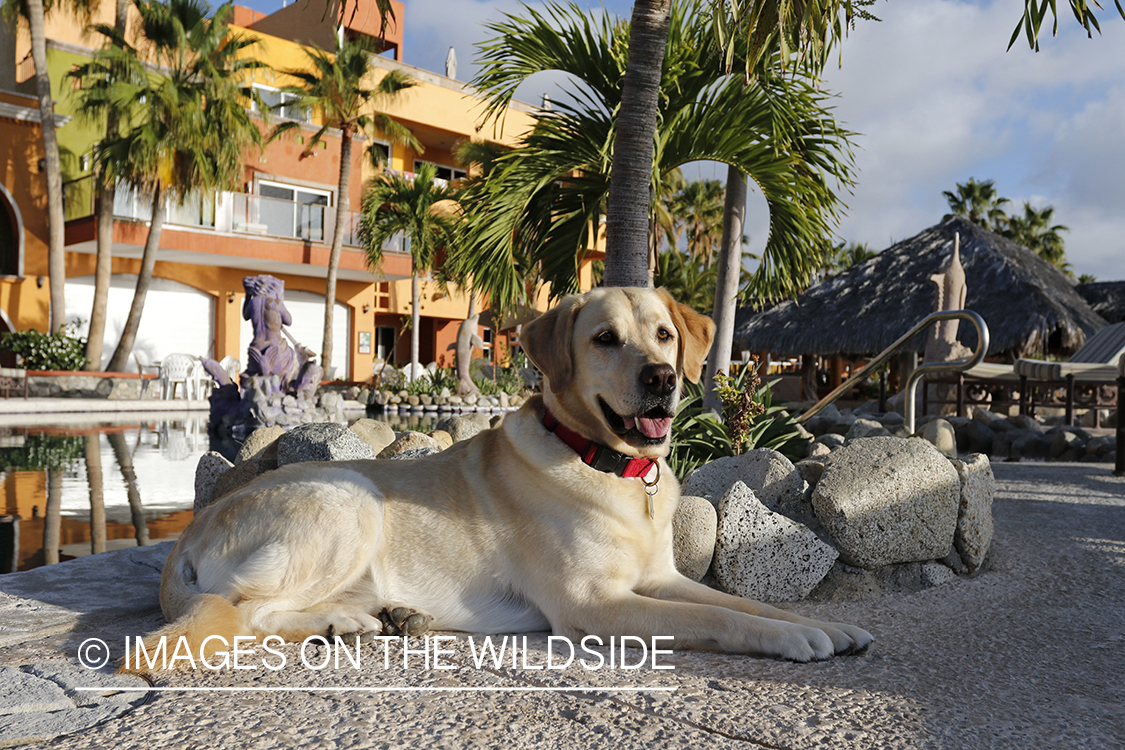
(201, 625)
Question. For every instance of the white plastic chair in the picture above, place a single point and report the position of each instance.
(176, 368)
(201, 382)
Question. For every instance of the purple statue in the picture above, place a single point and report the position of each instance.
(280, 382)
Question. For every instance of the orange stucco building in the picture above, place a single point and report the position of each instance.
(280, 222)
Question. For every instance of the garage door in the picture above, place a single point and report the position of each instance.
(307, 309)
(176, 317)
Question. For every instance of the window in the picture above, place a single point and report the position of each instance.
(488, 344)
(292, 211)
(443, 173)
(385, 343)
(381, 153)
(280, 104)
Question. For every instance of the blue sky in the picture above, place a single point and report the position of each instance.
(936, 99)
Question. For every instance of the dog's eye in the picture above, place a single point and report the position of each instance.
(607, 338)
(664, 335)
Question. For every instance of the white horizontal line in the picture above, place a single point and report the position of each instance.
(594, 689)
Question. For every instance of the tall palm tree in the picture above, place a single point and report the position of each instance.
(1034, 231)
(979, 202)
(336, 86)
(699, 207)
(544, 196)
(35, 12)
(394, 203)
(105, 194)
(186, 126)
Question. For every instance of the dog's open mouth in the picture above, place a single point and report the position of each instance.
(651, 427)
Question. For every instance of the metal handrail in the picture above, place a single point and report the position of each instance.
(920, 371)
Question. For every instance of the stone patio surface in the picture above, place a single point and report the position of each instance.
(1029, 654)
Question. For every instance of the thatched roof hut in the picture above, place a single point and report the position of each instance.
(1106, 297)
(1028, 304)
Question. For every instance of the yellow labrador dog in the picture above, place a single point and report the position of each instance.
(559, 519)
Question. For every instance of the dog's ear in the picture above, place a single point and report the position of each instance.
(547, 342)
(696, 333)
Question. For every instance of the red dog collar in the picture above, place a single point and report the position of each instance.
(599, 456)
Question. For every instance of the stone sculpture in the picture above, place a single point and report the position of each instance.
(279, 384)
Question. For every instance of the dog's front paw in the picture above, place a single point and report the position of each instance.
(356, 623)
(404, 621)
(795, 643)
(847, 639)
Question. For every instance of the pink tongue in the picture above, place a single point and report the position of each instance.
(653, 428)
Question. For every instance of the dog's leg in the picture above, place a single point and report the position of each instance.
(677, 588)
(694, 626)
(326, 619)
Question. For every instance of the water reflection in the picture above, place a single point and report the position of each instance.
(72, 489)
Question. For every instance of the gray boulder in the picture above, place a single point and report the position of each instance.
(974, 515)
(240, 476)
(975, 437)
(409, 441)
(321, 441)
(210, 468)
(764, 555)
(413, 453)
(261, 443)
(694, 527)
(830, 440)
(373, 432)
(460, 428)
(887, 500)
(864, 428)
(772, 477)
(1028, 444)
(940, 433)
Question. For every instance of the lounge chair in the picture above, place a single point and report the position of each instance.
(1093, 367)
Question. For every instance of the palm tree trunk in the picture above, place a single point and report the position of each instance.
(125, 463)
(415, 321)
(103, 272)
(120, 359)
(465, 347)
(627, 216)
(97, 493)
(56, 258)
(343, 205)
(103, 266)
(726, 284)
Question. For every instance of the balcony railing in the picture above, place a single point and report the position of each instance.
(238, 213)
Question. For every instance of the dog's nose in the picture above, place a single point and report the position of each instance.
(658, 380)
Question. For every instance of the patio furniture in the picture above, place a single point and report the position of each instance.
(232, 367)
(141, 367)
(176, 369)
(1085, 381)
(12, 377)
(201, 382)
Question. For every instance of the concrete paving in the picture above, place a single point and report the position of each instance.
(1028, 654)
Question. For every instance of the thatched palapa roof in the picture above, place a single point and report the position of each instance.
(1106, 297)
(1026, 302)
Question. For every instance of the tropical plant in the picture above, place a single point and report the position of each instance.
(979, 202)
(335, 86)
(687, 279)
(1034, 231)
(35, 12)
(538, 209)
(41, 451)
(106, 191)
(699, 436)
(395, 203)
(698, 210)
(61, 350)
(179, 96)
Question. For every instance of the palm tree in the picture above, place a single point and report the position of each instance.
(1034, 231)
(35, 13)
(537, 209)
(979, 202)
(394, 203)
(687, 279)
(185, 128)
(105, 188)
(336, 87)
(699, 206)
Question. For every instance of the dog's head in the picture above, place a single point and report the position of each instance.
(613, 359)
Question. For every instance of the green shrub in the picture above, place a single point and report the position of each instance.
(699, 436)
(64, 350)
(43, 452)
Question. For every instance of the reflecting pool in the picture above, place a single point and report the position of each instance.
(91, 483)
